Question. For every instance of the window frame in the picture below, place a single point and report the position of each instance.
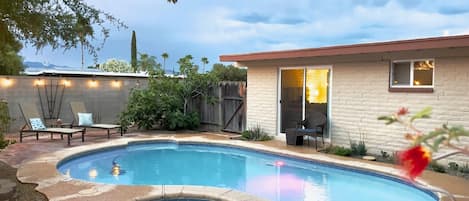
(411, 87)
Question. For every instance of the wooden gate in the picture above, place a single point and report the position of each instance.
(233, 105)
(228, 113)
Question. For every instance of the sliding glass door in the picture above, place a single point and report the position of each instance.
(302, 91)
(291, 102)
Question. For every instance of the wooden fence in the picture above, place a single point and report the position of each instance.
(227, 112)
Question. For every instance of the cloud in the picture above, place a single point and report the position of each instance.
(212, 27)
(254, 18)
(453, 10)
(259, 18)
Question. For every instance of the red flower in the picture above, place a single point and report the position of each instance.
(414, 161)
(402, 111)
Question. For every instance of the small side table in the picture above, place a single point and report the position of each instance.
(65, 125)
(294, 137)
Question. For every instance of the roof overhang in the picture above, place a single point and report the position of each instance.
(365, 48)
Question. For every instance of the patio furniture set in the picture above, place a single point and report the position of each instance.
(312, 126)
(82, 120)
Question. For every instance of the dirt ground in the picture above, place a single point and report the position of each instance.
(12, 190)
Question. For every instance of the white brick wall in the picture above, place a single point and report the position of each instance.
(262, 98)
(360, 94)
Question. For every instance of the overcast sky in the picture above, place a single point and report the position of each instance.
(213, 27)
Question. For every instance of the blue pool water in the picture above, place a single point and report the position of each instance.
(268, 176)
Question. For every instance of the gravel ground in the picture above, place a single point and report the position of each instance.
(12, 190)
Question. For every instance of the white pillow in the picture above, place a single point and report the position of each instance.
(36, 124)
(85, 119)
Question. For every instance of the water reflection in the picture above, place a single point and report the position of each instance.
(93, 173)
(267, 176)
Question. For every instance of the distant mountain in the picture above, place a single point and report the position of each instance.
(34, 66)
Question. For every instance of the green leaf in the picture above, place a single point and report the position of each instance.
(431, 135)
(423, 114)
(437, 142)
(388, 119)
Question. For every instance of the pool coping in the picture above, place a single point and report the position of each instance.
(42, 171)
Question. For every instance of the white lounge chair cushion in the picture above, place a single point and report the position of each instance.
(36, 124)
(106, 126)
(85, 119)
(63, 130)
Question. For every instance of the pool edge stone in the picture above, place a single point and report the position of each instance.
(56, 158)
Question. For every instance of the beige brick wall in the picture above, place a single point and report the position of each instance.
(360, 94)
(262, 98)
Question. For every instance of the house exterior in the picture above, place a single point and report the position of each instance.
(354, 84)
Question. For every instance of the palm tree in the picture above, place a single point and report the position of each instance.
(84, 29)
(204, 61)
(165, 56)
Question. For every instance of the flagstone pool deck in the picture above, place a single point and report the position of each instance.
(36, 162)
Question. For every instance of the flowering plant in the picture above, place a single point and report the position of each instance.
(415, 159)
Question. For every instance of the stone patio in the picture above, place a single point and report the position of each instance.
(36, 162)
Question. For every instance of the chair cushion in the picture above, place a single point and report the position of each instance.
(85, 119)
(314, 119)
(36, 124)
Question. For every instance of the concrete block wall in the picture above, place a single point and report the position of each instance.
(104, 101)
(360, 94)
(261, 98)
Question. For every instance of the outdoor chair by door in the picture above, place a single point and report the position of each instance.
(312, 126)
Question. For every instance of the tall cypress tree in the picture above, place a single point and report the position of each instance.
(133, 52)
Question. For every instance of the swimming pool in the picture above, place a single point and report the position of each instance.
(265, 175)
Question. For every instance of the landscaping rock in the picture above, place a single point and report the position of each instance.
(369, 158)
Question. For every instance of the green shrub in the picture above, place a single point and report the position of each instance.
(394, 157)
(256, 133)
(453, 166)
(385, 155)
(337, 150)
(358, 149)
(4, 123)
(464, 169)
(228, 73)
(164, 103)
(177, 120)
(437, 167)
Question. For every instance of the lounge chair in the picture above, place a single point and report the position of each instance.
(313, 126)
(34, 124)
(79, 107)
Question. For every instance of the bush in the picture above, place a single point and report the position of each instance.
(464, 169)
(177, 120)
(164, 104)
(158, 105)
(358, 149)
(256, 134)
(337, 150)
(437, 167)
(228, 73)
(385, 155)
(4, 123)
(453, 166)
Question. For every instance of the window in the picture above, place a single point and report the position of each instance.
(412, 74)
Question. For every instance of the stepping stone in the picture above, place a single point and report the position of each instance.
(369, 158)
